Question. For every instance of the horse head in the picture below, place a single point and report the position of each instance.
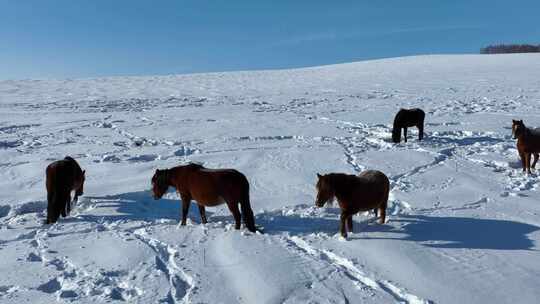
(518, 128)
(160, 183)
(325, 192)
(396, 134)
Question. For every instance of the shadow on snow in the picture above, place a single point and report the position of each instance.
(462, 232)
(430, 231)
(136, 206)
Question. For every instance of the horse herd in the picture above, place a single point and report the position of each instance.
(211, 187)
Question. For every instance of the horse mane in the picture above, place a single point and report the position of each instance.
(162, 177)
(529, 131)
(339, 180)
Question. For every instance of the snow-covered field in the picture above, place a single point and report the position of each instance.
(463, 219)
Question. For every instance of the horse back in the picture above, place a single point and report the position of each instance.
(409, 117)
(374, 180)
(62, 174)
(371, 190)
(213, 186)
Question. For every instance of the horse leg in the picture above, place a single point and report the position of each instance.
(383, 206)
(63, 207)
(71, 202)
(247, 214)
(421, 131)
(528, 162)
(383, 214)
(350, 224)
(233, 207)
(186, 201)
(68, 204)
(53, 218)
(343, 219)
(202, 211)
(51, 208)
(405, 133)
(59, 205)
(523, 164)
(535, 160)
(375, 211)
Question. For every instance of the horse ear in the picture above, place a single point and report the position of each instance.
(514, 121)
(83, 172)
(521, 121)
(318, 175)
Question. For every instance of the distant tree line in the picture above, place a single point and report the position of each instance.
(510, 48)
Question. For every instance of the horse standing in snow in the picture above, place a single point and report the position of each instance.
(408, 118)
(208, 188)
(62, 177)
(528, 142)
(369, 190)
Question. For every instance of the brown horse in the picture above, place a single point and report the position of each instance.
(62, 177)
(528, 142)
(209, 188)
(369, 190)
(408, 118)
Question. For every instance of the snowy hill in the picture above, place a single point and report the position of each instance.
(463, 219)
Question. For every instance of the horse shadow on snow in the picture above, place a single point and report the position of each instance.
(135, 206)
(460, 232)
(430, 231)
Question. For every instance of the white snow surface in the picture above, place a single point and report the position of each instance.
(463, 223)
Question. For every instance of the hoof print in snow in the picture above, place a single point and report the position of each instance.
(51, 286)
(32, 257)
(68, 294)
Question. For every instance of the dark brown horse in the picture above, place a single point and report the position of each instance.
(528, 142)
(208, 188)
(369, 190)
(408, 118)
(62, 177)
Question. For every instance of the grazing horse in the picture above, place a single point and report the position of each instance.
(528, 142)
(208, 188)
(62, 177)
(369, 190)
(408, 118)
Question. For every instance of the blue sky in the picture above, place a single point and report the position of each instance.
(76, 38)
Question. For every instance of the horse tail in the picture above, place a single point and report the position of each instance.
(57, 196)
(245, 206)
(53, 197)
(50, 184)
